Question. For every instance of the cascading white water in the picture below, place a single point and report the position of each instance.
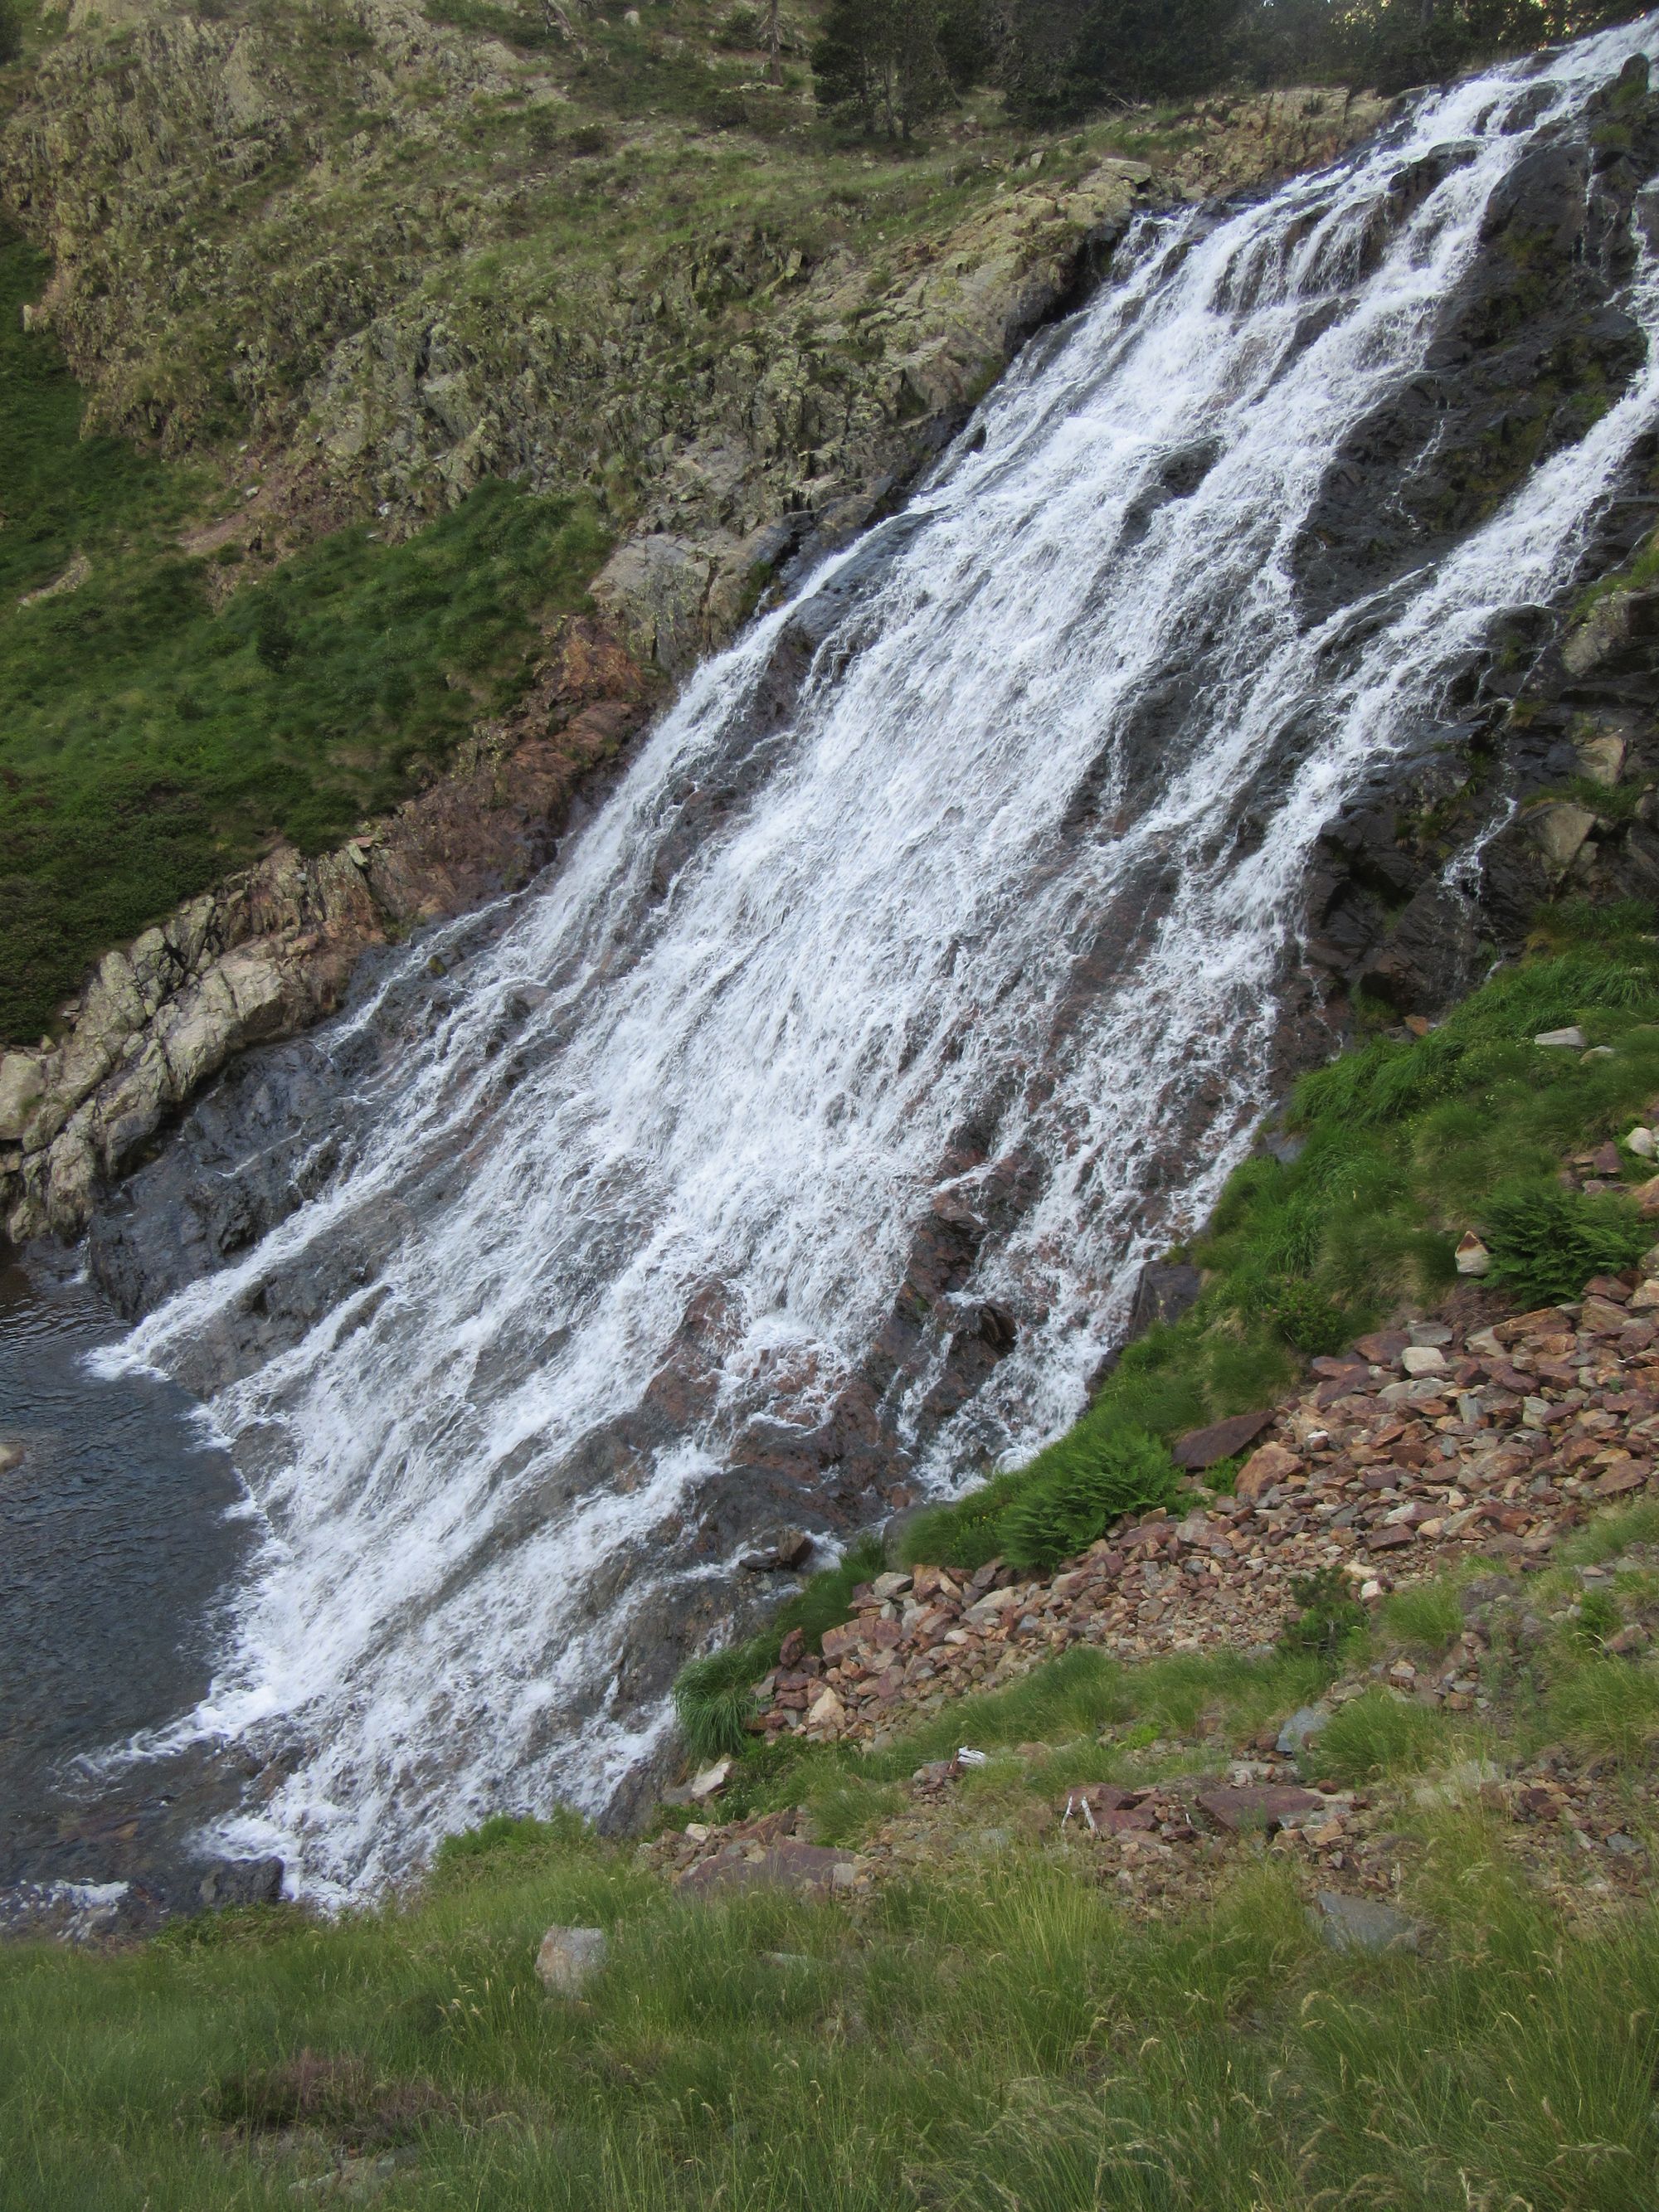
(752, 1054)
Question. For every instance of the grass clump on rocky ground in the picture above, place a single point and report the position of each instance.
(1009, 2015)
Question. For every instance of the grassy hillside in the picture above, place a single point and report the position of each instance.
(1000, 2023)
(261, 566)
(157, 731)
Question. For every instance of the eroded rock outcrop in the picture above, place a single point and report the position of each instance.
(1545, 769)
(273, 948)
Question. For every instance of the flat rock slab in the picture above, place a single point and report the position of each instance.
(805, 1867)
(1265, 1805)
(1363, 1923)
(1202, 1448)
(1382, 1347)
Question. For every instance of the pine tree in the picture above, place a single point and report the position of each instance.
(880, 63)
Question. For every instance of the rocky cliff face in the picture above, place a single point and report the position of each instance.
(1544, 773)
(412, 258)
(417, 256)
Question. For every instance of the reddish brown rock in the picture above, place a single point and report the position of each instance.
(1382, 1347)
(1257, 1804)
(784, 1865)
(1202, 1448)
(1271, 1464)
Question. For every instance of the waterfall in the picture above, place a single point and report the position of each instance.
(959, 899)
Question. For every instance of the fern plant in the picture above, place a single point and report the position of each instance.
(1084, 1491)
(1546, 1242)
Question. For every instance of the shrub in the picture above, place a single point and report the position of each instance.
(1329, 1614)
(1546, 1241)
(1086, 1488)
(1306, 1317)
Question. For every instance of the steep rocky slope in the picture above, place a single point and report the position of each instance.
(418, 257)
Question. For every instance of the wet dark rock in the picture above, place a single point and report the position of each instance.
(1204, 1447)
(1529, 346)
(1164, 1290)
(232, 1882)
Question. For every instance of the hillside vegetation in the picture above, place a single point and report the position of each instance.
(327, 280)
(1001, 2021)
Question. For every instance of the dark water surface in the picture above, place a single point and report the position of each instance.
(120, 1543)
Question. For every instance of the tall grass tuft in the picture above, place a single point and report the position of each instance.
(1078, 1489)
(713, 1698)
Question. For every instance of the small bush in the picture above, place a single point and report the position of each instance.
(1329, 1614)
(1306, 1317)
(1546, 1242)
(1086, 1489)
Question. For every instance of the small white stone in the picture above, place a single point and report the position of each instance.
(1423, 1359)
(1473, 1257)
(1641, 1142)
(1572, 1040)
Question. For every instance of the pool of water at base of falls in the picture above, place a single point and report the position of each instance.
(123, 1530)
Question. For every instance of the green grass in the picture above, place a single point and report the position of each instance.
(991, 2030)
(1007, 2037)
(1094, 1706)
(1606, 1706)
(1429, 1616)
(152, 741)
(1610, 1534)
(1380, 1735)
